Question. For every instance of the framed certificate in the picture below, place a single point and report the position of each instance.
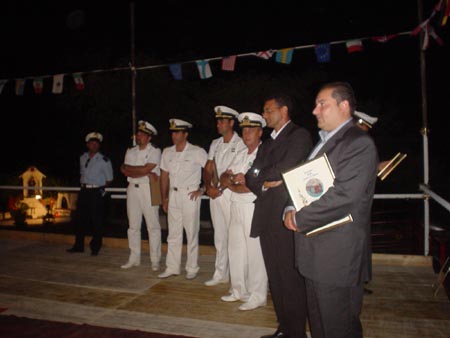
(308, 181)
(392, 164)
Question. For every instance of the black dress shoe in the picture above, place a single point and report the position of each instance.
(367, 291)
(277, 334)
(72, 250)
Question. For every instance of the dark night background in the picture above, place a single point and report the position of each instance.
(52, 37)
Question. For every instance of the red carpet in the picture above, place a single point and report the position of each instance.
(20, 327)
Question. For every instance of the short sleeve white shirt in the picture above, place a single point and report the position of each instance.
(184, 167)
(224, 153)
(241, 164)
(137, 157)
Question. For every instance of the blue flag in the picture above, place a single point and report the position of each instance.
(323, 53)
(175, 69)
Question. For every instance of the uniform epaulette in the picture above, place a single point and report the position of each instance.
(105, 159)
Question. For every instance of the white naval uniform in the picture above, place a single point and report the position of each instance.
(139, 204)
(223, 154)
(248, 272)
(185, 172)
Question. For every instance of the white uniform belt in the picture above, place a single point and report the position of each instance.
(189, 188)
(90, 186)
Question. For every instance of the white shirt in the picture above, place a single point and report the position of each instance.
(241, 164)
(274, 134)
(224, 153)
(137, 157)
(184, 167)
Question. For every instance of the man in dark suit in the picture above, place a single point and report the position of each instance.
(335, 263)
(287, 147)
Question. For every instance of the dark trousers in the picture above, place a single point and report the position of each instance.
(334, 311)
(287, 286)
(90, 217)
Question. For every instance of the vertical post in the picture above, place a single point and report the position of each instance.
(424, 131)
(133, 73)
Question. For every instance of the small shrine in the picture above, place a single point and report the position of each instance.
(32, 178)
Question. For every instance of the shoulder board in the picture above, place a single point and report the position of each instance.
(105, 159)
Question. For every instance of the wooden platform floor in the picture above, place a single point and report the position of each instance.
(38, 279)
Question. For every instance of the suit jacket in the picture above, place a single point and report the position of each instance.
(289, 149)
(341, 256)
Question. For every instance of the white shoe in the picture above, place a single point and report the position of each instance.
(155, 267)
(130, 264)
(250, 305)
(191, 275)
(166, 274)
(213, 282)
(229, 298)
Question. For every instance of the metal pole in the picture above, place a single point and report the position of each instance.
(133, 73)
(424, 131)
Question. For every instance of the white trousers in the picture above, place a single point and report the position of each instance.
(247, 269)
(182, 213)
(138, 205)
(220, 216)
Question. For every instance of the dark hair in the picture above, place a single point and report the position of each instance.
(282, 100)
(342, 91)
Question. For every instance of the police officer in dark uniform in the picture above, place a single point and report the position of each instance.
(96, 173)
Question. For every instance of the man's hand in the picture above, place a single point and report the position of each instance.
(272, 184)
(193, 195)
(213, 192)
(289, 222)
(165, 205)
(238, 178)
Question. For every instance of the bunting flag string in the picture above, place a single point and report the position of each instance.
(283, 55)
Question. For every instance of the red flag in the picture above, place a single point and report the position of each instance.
(354, 46)
(266, 54)
(228, 63)
(78, 79)
(38, 85)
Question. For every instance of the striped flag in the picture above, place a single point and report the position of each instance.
(354, 46)
(38, 85)
(58, 81)
(228, 63)
(204, 69)
(266, 54)
(284, 55)
(20, 86)
(323, 52)
(176, 71)
(2, 84)
(78, 79)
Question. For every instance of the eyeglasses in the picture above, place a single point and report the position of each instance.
(87, 162)
(270, 110)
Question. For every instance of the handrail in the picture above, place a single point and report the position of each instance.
(435, 196)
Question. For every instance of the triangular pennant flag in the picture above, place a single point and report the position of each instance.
(323, 52)
(78, 79)
(384, 38)
(176, 71)
(204, 69)
(354, 46)
(266, 54)
(38, 85)
(228, 63)
(446, 14)
(284, 55)
(2, 84)
(58, 83)
(20, 86)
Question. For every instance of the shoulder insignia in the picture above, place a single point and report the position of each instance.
(105, 159)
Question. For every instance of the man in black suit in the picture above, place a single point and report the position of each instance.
(335, 263)
(287, 147)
